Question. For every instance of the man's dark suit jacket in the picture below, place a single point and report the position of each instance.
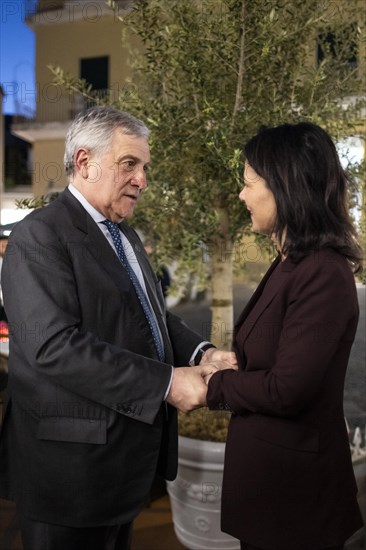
(85, 426)
(288, 478)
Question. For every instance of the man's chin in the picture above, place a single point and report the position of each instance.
(124, 216)
(128, 214)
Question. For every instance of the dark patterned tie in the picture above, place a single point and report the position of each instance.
(116, 237)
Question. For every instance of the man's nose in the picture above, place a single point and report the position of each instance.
(140, 179)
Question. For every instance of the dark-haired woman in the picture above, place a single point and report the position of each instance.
(288, 478)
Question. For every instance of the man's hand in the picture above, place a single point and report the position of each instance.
(224, 359)
(188, 389)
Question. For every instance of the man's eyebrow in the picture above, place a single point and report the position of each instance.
(131, 157)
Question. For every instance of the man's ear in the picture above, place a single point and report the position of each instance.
(82, 157)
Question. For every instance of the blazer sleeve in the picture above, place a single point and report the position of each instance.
(184, 340)
(42, 301)
(315, 318)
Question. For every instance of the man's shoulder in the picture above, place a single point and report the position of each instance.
(56, 215)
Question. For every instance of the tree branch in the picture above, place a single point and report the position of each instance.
(239, 84)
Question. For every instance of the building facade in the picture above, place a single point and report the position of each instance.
(84, 38)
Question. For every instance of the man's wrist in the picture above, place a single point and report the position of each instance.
(197, 358)
(170, 384)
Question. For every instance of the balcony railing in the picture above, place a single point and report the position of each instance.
(37, 7)
(58, 107)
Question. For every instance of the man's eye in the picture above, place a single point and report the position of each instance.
(129, 164)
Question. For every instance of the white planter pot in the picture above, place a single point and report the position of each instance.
(195, 496)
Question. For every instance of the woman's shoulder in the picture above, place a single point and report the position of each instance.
(323, 260)
(323, 268)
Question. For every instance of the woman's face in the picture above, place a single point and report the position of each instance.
(259, 200)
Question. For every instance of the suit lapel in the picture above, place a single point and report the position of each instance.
(264, 295)
(94, 245)
(144, 264)
(97, 249)
(257, 293)
(150, 282)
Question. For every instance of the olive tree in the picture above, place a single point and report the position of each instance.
(208, 74)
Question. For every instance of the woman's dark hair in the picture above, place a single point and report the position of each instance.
(301, 167)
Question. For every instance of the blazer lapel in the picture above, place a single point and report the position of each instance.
(257, 293)
(144, 264)
(97, 250)
(150, 282)
(264, 295)
(93, 244)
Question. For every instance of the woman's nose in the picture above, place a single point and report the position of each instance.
(242, 194)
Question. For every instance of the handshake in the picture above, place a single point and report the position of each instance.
(188, 389)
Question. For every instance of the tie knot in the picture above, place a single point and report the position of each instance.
(111, 225)
(113, 229)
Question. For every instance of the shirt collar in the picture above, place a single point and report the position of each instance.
(95, 214)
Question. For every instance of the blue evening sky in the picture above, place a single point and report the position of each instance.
(17, 61)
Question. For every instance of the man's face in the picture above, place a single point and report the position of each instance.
(117, 178)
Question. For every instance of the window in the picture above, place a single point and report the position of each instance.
(16, 158)
(95, 71)
(339, 45)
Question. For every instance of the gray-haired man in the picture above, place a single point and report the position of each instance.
(92, 390)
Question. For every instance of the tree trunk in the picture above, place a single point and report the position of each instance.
(362, 223)
(222, 284)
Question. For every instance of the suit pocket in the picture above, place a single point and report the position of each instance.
(73, 430)
(284, 433)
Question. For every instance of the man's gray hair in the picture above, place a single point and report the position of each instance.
(94, 129)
